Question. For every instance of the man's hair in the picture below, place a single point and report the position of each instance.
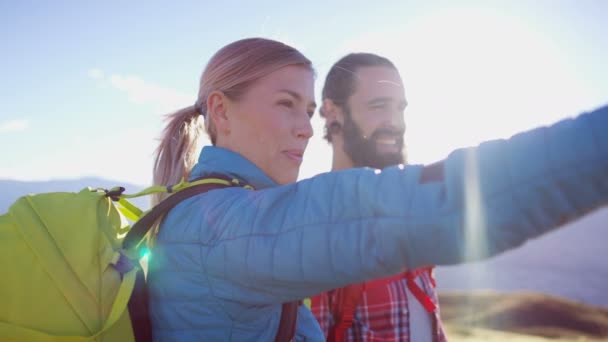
(340, 81)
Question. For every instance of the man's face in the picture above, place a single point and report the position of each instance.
(374, 123)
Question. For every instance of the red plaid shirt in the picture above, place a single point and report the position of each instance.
(383, 313)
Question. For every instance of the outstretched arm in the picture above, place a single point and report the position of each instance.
(338, 228)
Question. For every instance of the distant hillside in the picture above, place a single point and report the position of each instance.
(10, 190)
(528, 314)
(571, 262)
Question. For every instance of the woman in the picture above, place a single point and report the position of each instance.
(226, 260)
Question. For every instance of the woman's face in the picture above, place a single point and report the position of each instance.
(270, 122)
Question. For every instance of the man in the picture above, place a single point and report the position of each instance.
(363, 105)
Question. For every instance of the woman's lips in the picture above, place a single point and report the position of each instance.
(295, 155)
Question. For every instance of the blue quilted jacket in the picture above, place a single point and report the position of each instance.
(226, 260)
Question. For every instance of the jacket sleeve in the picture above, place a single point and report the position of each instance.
(293, 241)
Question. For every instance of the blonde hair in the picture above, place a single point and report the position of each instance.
(231, 70)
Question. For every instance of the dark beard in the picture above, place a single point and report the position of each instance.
(363, 151)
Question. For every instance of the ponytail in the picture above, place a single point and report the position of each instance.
(177, 153)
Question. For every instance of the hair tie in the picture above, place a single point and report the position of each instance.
(198, 109)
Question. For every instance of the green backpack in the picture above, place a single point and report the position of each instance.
(70, 261)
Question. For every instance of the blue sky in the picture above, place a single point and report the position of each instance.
(84, 85)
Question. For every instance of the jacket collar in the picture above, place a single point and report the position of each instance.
(220, 160)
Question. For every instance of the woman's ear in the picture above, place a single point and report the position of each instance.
(217, 105)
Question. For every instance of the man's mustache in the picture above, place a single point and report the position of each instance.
(397, 133)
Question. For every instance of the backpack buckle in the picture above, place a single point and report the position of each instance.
(124, 264)
(115, 193)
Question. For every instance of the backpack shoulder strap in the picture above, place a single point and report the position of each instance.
(343, 310)
(289, 311)
(287, 325)
(143, 225)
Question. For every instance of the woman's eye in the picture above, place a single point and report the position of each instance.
(286, 103)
